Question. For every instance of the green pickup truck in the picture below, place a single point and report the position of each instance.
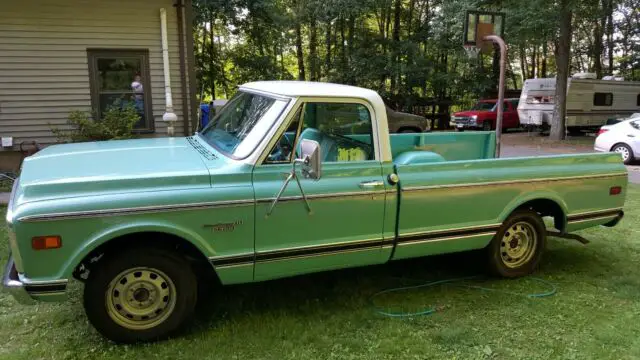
(289, 178)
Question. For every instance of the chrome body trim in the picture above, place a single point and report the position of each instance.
(134, 210)
(511, 182)
(326, 196)
(446, 238)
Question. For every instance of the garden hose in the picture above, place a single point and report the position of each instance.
(455, 282)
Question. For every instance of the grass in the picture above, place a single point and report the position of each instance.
(594, 314)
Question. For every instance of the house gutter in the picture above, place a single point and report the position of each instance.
(169, 114)
(186, 106)
(191, 64)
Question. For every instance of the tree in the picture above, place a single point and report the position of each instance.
(563, 54)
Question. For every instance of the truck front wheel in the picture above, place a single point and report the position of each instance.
(486, 126)
(517, 248)
(141, 295)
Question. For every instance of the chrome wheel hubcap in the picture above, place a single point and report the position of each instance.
(623, 151)
(518, 244)
(140, 298)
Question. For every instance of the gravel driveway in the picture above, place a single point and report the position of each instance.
(523, 144)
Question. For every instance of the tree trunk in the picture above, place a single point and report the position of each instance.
(395, 44)
(212, 69)
(609, 31)
(299, 53)
(350, 46)
(523, 63)
(597, 50)
(563, 57)
(343, 50)
(313, 54)
(327, 58)
(533, 62)
(543, 68)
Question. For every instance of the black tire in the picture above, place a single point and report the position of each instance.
(499, 249)
(620, 148)
(459, 129)
(175, 267)
(486, 126)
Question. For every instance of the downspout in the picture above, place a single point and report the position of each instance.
(183, 68)
(168, 116)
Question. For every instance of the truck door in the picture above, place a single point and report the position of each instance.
(510, 116)
(345, 225)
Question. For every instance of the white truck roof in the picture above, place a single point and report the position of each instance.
(313, 89)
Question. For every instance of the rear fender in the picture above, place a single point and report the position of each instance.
(536, 195)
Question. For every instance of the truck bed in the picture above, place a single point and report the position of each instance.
(451, 146)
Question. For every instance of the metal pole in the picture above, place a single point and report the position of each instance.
(503, 64)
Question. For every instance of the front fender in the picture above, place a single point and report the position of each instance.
(119, 230)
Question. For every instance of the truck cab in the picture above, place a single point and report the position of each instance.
(483, 116)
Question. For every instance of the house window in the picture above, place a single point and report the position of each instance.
(602, 99)
(120, 78)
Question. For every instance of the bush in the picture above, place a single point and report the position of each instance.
(117, 123)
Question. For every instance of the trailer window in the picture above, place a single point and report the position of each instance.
(602, 99)
(540, 100)
(638, 100)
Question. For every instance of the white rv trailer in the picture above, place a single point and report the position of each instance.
(590, 102)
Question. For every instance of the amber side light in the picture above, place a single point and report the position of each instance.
(616, 190)
(46, 242)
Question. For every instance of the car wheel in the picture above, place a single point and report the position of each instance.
(517, 248)
(486, 126)
(625, 151)
(139, 296)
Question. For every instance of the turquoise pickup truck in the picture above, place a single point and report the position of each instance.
(289, 178)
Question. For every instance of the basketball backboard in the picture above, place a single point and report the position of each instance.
(478, 24)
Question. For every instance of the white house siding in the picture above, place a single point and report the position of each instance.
(43, 59)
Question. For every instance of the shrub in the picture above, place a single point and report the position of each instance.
(116, 123)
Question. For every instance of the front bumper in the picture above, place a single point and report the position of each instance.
(26, 291)
(12, 284)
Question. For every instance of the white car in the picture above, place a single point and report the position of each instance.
(623, 138)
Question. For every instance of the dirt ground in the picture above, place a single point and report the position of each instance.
(525, 144)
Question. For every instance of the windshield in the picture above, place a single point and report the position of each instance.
(484, 106)
(242, 123)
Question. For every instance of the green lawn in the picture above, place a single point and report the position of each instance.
(595, 314)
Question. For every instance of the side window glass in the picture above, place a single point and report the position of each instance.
(343, 130)
(282, 151)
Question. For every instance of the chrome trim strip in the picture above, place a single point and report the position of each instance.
(510, 182)
(594, 212)
(134, 210)
(592, 219)
(444, 231)
(325, 196)
(336, 252)
(417, 242)
(320, 246)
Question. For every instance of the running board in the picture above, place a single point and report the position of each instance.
(575, 237)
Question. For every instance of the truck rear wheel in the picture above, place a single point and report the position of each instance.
(517, 248)
(141, 295)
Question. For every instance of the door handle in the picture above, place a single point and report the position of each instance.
(629, 135)
(367, 185)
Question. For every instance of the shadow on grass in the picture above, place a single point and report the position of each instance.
(353, 288)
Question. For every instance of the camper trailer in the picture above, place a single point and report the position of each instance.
(590, 102)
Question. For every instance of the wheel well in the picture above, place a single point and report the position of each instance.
(170, 242)
(546, 207)
(616, 144)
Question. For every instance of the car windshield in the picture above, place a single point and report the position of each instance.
(484, 106)
(242, 123)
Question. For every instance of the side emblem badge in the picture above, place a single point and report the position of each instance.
(223, 227)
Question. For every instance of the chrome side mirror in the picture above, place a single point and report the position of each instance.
(311, 166)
